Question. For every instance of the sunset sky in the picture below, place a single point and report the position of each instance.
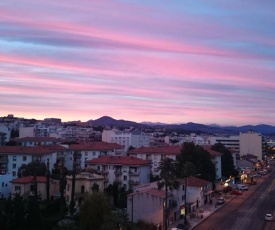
(153, 60)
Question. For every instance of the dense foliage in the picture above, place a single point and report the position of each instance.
(201, 160)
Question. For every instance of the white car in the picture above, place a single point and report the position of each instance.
(268, 217)
(220, 200)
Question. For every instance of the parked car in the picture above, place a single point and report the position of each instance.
(236, 192)
(269, 217)
(220, 200)
(227, 189)
(242, 187)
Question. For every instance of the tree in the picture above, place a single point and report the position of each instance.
(95, 212)
(200, 158)
(95, 187)
(168, 181)
(33, 168)
(227, 162)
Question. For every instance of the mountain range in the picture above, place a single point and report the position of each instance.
(190, 126)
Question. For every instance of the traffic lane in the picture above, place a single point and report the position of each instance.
(227, 216)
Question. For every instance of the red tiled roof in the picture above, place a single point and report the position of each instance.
(96, 146)
(171, 150)
(38, 139)
(212, 153)
(42, 149)
(156, 192)
(119, 160)
(28, 179)
(194, 182)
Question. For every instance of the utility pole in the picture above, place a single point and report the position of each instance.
(61, 189)
(72, 203)
(48, 182)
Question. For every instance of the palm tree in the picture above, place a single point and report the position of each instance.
(168, 181)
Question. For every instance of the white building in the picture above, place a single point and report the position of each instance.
(216, 160)
(231, 142)
(5, 185)
(36, 141)
(135, 139)
(4, 134)
(127, 171)
(13, 157)
(93, 150)
(251, 143)
(155, 154)
(147, 202)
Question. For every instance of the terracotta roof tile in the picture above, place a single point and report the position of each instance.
(171, 150)
(28, 179)
(38, 139)
(119, 160)
(194, 182)
(30, 150)
(212, 153)
(96, 146)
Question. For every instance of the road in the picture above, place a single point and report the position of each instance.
(246, 211)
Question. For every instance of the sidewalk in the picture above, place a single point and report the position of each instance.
(208, 210)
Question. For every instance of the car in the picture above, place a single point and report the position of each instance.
(182, 227)
(227, 189)
(269, 217)
(236, 192)
(220, 200)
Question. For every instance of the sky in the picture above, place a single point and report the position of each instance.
(208, 62)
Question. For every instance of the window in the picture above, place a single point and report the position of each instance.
(17, 188)
(124, 177)
(3, 184)
(98, 168)
(13, 158)
(93, 153)
(13, 166)
(13, 173)
(24, 158)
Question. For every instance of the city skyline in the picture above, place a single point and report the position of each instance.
(207, 62)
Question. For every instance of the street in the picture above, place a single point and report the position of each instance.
(246, 211)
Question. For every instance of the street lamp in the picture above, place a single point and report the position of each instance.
(185, 199)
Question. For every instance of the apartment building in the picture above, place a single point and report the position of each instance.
(231, 142)
(251, 143)
(147, 202)
(135, 139)
(92, 150)
(155, 154)
(127, 171)
(36, 141)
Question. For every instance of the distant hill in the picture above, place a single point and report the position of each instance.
(109, 121)
(190, 126)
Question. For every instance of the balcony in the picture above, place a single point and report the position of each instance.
(134, 173)
(118, 172)
(4, 160)
(133, 182)
(118, 180)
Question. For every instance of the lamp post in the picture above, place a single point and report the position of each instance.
(73, 186)
(185, 198)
